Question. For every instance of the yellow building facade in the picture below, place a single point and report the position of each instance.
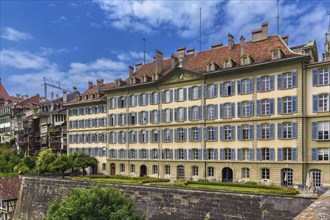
(239, 113)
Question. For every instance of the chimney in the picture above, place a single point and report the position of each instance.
(230, 41)
(285, 38)
(181, 52)
(214, 46)
(242, 40)
(261, 33)
(65, 97)
(138, 66)
(90, 84)
(174, 61)
(119, 82)
(159, 62)
(131, 71)
(74, 89)
(191, 51)
(99, 83)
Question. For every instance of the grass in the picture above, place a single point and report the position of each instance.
(123, 179)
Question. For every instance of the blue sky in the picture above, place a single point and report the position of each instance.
(76, 41)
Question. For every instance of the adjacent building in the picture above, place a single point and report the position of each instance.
(9, 193)
(240, 112)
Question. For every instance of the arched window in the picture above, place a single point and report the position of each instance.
(245, 60)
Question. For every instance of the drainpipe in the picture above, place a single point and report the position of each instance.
(303, 122)
(204, 125)
(160, 129)
(127, 132)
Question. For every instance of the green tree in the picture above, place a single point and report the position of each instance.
(61, 164)
(96, 203)
(83, 161)
(44, 160)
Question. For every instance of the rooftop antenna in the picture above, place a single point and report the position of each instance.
(200, 29)
(278, 17)
(144, 50)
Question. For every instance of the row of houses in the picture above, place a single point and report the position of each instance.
(250, 111)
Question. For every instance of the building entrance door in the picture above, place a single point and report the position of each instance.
(287, 177)
(143, 170)
(112, 169)
(227, 174)
(180, 172)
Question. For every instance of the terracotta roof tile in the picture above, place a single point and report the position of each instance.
(3, 93)
(9, 188)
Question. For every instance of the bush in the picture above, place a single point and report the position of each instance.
(203, 180)
(251, 183)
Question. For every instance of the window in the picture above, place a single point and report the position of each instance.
(168, 135)
(122, 167)
(265, 173)
(154, 169)
(195, 134)
(287, 105)
(287, 80)
(265, 107)
(122, 119)
(323, 102)
(133, 154)
(194, 154)
(112, 153)
(228, 133)
(180, 154)
(181, 95)
(168, 96)
(211, 133)
(265, 154)
(210, 154)
(323, 130)
(181, 114)
(104, 166)
(154, 154)
(144, 99)
(112, 102)
(167, 154)
(265, 84)
(154, 116)
(245, 172)
(122, 153)
(155, 135)
(287, 153)
(154, 98)
(227, 64)
(246, 86)
(195, 92)
(211, 111)
(132, 168)
(211, 91)
(265, 131)
(324, 75)
(276, 55)
(143, 154)
(245, 61)
(194, 171)
(210, 171)
(167, 169)
(287, 130)
(132, 100)
(132, 136)
(246, 109)
(132, 118)
(195, 113)
(228, 88)
(245, 154)
(181, 134)
(246, 132)
(323, 154)
(316, 177)
(144, 117)
(211, 67)
(168, 115)
(121, 102)
(144, 136)
(121, 137)
(227, 153)
(227, 110)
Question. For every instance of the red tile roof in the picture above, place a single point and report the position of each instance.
(32, 100)
(9, 188)
(3, 93)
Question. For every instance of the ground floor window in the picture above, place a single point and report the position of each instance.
(265, 173)
(316, 177)
(195, 170)
(154, 169)
(132, 168)
(167, 169)
(122, 167)
(210, 171)
(245, 172)
(104, 165)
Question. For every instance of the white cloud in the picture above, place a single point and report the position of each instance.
(148, 16)
(59, 20)
(46, 51)
(133, 56)
(15, 35)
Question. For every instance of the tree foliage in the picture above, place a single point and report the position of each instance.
(83, 161)
(61, 164)
(44, 161)
(96, 203)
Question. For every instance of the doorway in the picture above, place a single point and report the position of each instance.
(227, 174)
(180, 172)
(287, 177)
(143, 170)
(112, 169)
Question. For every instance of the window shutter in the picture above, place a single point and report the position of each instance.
(185, 134)
(258, 132)
(221, 110)
(189, 153)
(239, 154)
(315, 78)
(279, 81)
(239, 132)
(157, 97)
(216, 111)
(199, 112)
(315, 103)
(151, 99)
(171, 95)
(189, 93)
(163, 115)
(184, 94)
(294, 79)
(185, 114)
(239, 109)
(314, 154)
(233, 87)
(251, 85)
(171, 135)
(205, 92)
(215, 154)
(314, 130)
(222, 133)
(271, 153)
(199, 154)
(251, 108)
(251, 154)
(258, 107)
(238, 87)
(175, 95)
(232, 154)
(176, 154)
(185, 154)
(258, 154)
(271, 106)
(215, 92)
(189, 113)
(272, 131)
(199, 134)
(271, 78)
(294, 130)
(163, 96)
(175, 114)
(151, 136)
(232, 132)
(205, 112)
(258, 84)
(199, 92)
(294, 104)
(221, 89)
(176, 135)
(205, 134)
(233, 109)
(279, 105)
(279, 154)
(190, 134)
(279, 130)
(294, 153)
(216, 133)
(251, 132)
(147, 95)
(222, 156)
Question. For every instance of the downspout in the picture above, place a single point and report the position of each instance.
(303, 121)
(160, 130)
(204, 126)
(127, 132)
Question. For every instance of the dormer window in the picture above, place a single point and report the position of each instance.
(210, 67)
(276, 54)
(132, 81)
(227, 63)
(154, 77)
(245, 61)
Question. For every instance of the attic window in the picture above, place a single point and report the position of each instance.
(210, 67)
(132, 80)
(276, 54)
(227, 63)
(245, 61)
